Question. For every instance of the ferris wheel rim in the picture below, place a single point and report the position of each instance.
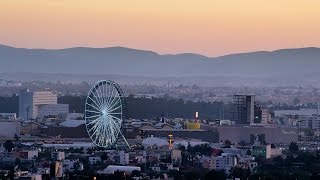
(106, 113)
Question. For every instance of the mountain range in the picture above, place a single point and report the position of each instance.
(301, 64)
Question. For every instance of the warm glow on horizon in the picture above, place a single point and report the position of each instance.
(209, 27)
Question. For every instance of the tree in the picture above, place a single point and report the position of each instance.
(242, 143)
(89, 151)
(17, 161)
(218, 175)
(227, 143)
(293, 147)
(296, 101)
(8, 145)
(135, 173)
(175, 174)
(17, 142)
(238, 172)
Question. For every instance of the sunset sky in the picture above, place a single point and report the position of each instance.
(208, 27)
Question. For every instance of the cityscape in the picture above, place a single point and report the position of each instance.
(159, 90)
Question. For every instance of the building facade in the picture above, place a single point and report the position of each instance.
(9, 127)
(39, 103)
(244, 109)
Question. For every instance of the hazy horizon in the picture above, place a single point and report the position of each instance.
(210, 28)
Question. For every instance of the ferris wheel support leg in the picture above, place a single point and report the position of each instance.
(125, 140)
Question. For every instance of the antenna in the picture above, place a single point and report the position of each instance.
(318, 116)
(223, 113)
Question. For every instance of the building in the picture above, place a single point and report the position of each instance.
(272, 135)
(209, 135)
(263, 151)
(261, 116)
(74, 129)
(302, 118)
(176, 156)
(309, 121)
(123, 158)
(94, 159)
(56, 170)
(193, 125)
(6, 83)
(39, 103)
(265, 116)
(53, 109)
(71, 165)
(58, 155)
(30, 127)
(31, 177)
(28, 155)
(224, 162)
(111, 169)
(9, 128)
(244, 109)
(8, 116)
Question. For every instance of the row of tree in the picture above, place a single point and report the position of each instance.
(141, 107)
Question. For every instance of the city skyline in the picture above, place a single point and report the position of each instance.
(210, 28)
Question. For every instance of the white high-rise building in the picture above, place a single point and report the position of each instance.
(39, 103)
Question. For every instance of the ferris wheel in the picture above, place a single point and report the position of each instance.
(104, 113)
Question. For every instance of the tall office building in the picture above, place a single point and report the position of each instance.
(244, 109)
(39, 103)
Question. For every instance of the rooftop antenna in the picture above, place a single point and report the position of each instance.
(223, 113)
(318, 115)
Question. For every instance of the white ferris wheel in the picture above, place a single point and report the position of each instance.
(105, 112)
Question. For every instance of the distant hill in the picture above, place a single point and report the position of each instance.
(299, 64)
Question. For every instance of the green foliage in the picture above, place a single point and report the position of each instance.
(203, 149)
(242, 143)
(8, 145)
(301, 165)
(155, 107)
(238, 172)
(227, 142)
(293, 147)
(89, 151)
(177, 175)
(217, 175)
(135, 173)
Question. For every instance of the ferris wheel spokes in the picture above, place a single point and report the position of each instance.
(104, 113)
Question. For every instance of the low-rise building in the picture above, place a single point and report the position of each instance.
(123, 158)
(58, 155)
(111, 169)
(263, 151)
(94, 159)
(28, 155)
(9, 127)
(224, 162)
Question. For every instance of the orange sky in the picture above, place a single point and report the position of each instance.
(209, 27)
